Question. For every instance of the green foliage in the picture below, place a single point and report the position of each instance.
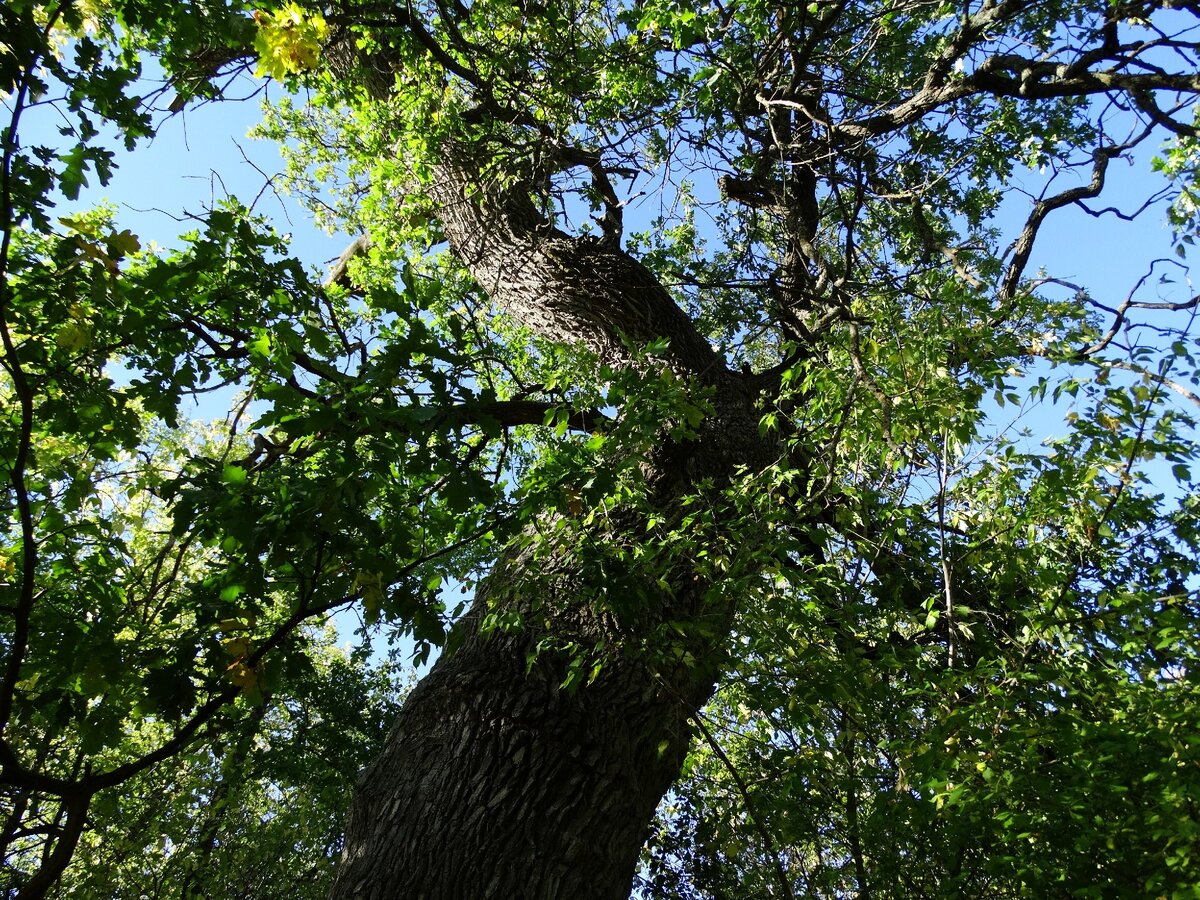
(962, 659)
(986, 688)
(159, 576)
(259, 811)
(288, 41)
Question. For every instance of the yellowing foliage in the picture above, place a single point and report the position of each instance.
(288, 41)
(244, 675)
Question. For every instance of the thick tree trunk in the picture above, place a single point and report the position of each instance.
(495, 781)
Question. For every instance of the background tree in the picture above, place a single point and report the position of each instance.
(258, 812)
(760, 443)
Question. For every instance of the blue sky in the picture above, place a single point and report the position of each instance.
(203, 154)
(197, 158)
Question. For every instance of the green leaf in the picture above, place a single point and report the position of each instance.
(234, 474)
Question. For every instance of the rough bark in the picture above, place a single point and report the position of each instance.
(496, 782)
(566, 288)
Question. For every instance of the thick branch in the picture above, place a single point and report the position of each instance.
(1009, 75)
(41, 883)
(511, 413)
(563, 288)
(339, 271)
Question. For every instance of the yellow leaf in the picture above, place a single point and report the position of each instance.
(243, 675)
(288, 41)
(123, 243)
(369, 585)
(574, 503)
(80, 225)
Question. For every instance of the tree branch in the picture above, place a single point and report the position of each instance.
(743, 789)
(1022, 247)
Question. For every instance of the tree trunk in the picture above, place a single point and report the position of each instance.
(67, 838)
(496, 781)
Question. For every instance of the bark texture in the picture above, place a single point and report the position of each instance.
(495, 782)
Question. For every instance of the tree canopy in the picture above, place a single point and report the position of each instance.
(733, 356)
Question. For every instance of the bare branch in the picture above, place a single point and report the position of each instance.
(1023, 246)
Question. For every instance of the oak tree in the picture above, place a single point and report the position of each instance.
(687, 339)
